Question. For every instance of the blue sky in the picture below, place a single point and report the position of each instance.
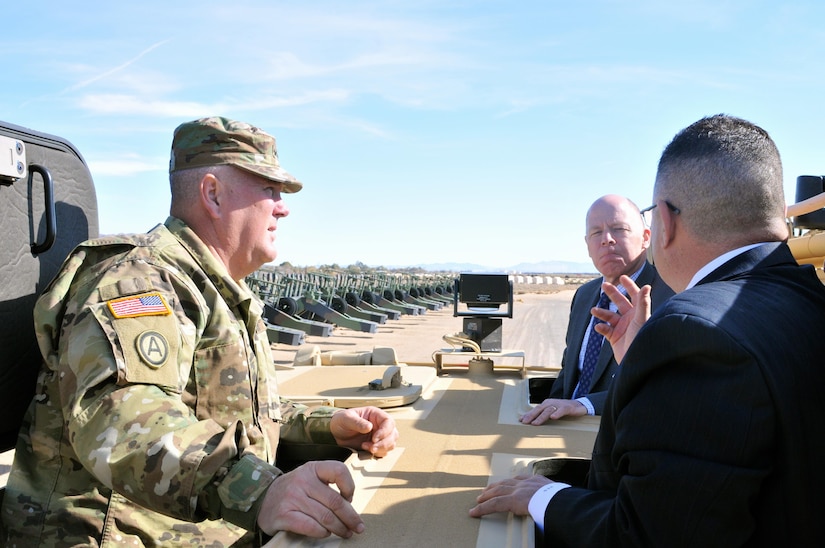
(424, 132)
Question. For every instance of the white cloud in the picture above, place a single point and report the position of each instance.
(126, 104)
(122, 168)
(114, 70)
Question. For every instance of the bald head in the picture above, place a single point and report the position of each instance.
(614, 202)
(616, 237)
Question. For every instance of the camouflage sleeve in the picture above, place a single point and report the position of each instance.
(237, 495)
(132, 428)
(142, 443)
(128, 411)
(180, 466)
(304, 424)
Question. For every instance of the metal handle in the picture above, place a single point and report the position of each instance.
(51, 219)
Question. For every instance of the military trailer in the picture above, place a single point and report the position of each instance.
(47, 206)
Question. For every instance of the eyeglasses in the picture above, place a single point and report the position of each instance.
(647, 213)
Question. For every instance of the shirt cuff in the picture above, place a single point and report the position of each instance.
(587, 405)
(540, 499)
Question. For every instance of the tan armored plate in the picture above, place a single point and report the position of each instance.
(355, 385)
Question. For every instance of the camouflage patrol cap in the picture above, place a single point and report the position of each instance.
(217, 141)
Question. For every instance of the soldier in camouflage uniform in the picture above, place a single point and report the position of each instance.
(156, 418)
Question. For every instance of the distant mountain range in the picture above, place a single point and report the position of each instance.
(545, 267)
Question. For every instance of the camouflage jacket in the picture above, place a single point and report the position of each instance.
(156, 417)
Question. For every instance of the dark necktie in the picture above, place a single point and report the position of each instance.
(591, 353)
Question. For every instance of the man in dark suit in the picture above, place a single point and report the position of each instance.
(712, 433)
(617, 241)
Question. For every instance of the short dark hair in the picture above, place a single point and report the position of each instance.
(725, 175)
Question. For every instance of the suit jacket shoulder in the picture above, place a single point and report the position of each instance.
(720, 384)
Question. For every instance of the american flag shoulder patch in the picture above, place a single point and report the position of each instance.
(147, 304)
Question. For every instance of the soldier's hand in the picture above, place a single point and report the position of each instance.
(367, 428)
(303, 502)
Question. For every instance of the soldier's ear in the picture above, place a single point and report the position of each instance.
(210, 194)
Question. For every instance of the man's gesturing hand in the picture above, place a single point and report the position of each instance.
(622, 326)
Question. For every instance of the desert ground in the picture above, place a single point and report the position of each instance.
(537, 327)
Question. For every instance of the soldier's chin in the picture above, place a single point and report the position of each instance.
(266, 255)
